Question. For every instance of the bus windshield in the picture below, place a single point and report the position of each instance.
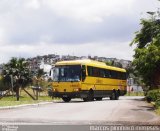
(67, 73)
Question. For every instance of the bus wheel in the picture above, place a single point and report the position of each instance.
(98, 98)
(113, 96)
(85, 99)
(117, 94)
(66, 99)
(90, 96)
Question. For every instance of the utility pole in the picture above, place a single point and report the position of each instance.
(11, 76)
(130, 81)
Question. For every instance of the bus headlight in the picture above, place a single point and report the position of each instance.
(54, 90)
(77, 89)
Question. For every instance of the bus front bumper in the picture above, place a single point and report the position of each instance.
(81, 94)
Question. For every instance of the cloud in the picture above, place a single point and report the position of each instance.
(116, 50)
(28, 27)
(72, 21)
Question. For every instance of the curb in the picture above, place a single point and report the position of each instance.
(27, 105)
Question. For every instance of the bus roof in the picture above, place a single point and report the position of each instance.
(89, 63)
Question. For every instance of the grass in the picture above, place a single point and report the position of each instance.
(11, 101)
(14, 103)
(24, 99)
(158, 111)
(135, 94)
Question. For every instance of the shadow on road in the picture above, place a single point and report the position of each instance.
(136, 99)
(105, 99)
(148, 108)
(81, 101)
(73, 101)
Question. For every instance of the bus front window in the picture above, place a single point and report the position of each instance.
(70, 73)
(55, 74)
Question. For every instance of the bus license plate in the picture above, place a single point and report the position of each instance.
(64, 95)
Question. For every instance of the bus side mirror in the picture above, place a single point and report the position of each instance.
(83, 72)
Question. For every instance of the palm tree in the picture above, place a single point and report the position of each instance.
(18, 70)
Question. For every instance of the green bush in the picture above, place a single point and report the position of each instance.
(157, 103)
(3, 86)
(153, 95)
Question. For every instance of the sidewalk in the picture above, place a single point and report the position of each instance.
(27, 105)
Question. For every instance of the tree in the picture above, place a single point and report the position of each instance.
(40, 73)
(114, 63)
(17, 71)
(147, 52)
(3, 86)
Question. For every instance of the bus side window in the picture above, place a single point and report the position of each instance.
(107, 74)
(124, 76)
(119, 75)
(96, 72)
(90, 70)
(113, 74)
(102, 73)
(83, 72)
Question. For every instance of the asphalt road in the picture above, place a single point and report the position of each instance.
(126, 110)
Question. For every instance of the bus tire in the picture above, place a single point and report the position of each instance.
(85, 99)
(66, 99)
(113, 95)
(117, 94)
(98, 98)
(90, 96)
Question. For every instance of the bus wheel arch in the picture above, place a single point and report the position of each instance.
(66, 99)
(90, 95)
(113, 95)
(98, 98)
(118, 94)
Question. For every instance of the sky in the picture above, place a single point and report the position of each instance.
(103, 28)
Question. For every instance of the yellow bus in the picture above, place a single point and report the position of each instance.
(87, 79)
